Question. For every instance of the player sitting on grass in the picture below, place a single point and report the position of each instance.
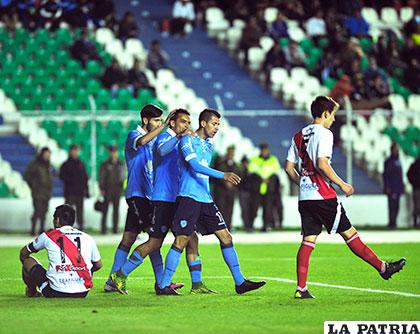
(73, 257)
(195, 206)
(308, 165)
(139, 160)
(165, 189)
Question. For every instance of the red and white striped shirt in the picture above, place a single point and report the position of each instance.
(312, 142)
(70, 254)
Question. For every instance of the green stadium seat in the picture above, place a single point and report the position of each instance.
(412, 134)
(73, 66)
(94, 68)
(114, 105)
(135, 105)
(93, 86)
(323, 43)
(42, 35)
(330, 83)
(106, 57)
(307, 45)
(70, 127)
(284, 42)
(71, 105)
(315, 53)
(114, 128)
(50, 126)
(49, 104)
(392, 133)
(366, 44)
(145, 96)
(5, 192)
(4, 35)
(133, 124)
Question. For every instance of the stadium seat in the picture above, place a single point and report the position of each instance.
(390, 16)
(216, 21)
(296, 34)
(270, 15)
(233, 36)
(104, 35)
(256, 56)
(94, 68)
(240, 24)
(266, 43)
(370, 15)
(63, 36)
(406, 14)
(298, 74)
(414, 102)
(397, 103)
(93, 86)
(134, 47)
(278, 76)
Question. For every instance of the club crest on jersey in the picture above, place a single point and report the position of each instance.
(183, 223)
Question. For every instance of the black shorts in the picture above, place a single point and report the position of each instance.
(193, 216)
(163, 215)
(39, 275)
(329, 212)
(139, 215)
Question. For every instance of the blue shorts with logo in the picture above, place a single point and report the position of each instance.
(163, 215)
(191, 216)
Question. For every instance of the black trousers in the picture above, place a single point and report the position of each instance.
(249, 202)
(393, 208)
(40, 211)
(77, 203)
(178, 25)
(115, 201)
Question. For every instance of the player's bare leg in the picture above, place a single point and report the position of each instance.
(194, 265)
(359, 248)
(31, 287)
(302, 266)
(242, 285)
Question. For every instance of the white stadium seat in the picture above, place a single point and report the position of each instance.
(216, 21)
(370, 15)
(270, 15)
(398, 103)
(256, 56)
(299, 74)
(278, 77)
(104, 35)
(240, 24)
(266, 43)
(233, 36)
(406, 14)
(390, 16)
(296, 34)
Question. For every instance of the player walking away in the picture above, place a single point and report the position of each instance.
(139, 160)
(195, 206)
(73, 257)
(308, 165)
(165, 189)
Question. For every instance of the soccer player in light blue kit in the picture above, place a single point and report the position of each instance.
(139, 160)
(165, 190)
(195, 206)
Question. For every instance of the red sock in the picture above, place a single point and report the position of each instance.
(359, 248)
(303, 256)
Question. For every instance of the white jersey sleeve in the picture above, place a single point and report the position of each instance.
(325, 144)
(292, 154)
(38, 244)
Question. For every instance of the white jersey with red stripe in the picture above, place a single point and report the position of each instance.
(312, 142)
(70, 254)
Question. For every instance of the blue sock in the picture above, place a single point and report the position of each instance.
(171, 263)
(195, 271)
(157, 263)
(231, 259)
(132, 263)
(119, 259)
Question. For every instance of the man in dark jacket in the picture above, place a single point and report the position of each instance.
(111, 181)
(393, 184)
(39, 175)
(75, 179)
(224, 192)
(413, 175)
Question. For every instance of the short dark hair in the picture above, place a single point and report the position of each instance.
(264, 146)
(150, 111)
(321, 104)
(179, 111)
(44, 149)
(207, 114)
(66, 214)
(73, 147)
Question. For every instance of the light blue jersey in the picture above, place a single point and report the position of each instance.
(195, 157)
(166, 170)
(139, 162)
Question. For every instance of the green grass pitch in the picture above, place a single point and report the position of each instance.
(269, 310)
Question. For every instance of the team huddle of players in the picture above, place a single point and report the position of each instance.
(168, 189)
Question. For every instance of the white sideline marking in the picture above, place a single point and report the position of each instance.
(344, 287)
(276, 279)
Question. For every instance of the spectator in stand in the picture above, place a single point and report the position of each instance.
(8, 14)
(393, 184)
(157, 58)
(250, 37)
(27, 12)
(266, 167)
(352, 51)
(316, 26)
(394, 56)
(274, 58)
(413, 176)
(39, 175)
(111, 179)
(356, 25)
(376, 81)
(294, 55)
(115, 78)
(137, 78)
(279, 28)
(50, 14)
(183, 18)
(84, 49)
(381, 52)
(103, 13)
(128, 27)
(410, 51)
(329, 66)
(75, 179)
(412, 76)
(415, 36)
(224, 192)
(293, 10)
(342, 88)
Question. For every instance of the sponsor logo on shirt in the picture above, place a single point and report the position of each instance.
(69, 267)
(70, 280)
